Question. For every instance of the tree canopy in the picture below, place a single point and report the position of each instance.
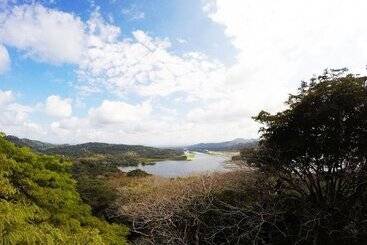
(39, 203)
(317, 150)
(321, 137)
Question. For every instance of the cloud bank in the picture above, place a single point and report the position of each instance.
(179, 98)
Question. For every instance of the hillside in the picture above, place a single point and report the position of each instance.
(233, 145)
(115, 153)
(33, 144)
(39, 203)
(112, 149)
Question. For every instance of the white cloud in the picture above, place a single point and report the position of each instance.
(119, 112)
(4, 59)
(133, 13)
(43, 34)
(282, 42)
(57, 107)
(279, 44)
(14, 117)
(15, 114)
(181, 40)
(225, 110)
(99, 31)
(111, 121)
(6, 97)
(145, 66)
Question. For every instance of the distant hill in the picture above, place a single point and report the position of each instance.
(116, 153)
(33, 144)
(233, 145)
(87, 149)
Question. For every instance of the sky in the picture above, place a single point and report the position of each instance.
(165, 72)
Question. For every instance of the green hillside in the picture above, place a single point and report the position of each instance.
(114, 151)
(112, 154)
(33, 144)
(39, 203)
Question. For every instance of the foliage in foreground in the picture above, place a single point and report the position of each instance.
(317, 149)
(39, 203)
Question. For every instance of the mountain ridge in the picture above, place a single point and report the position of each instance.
(232, 145)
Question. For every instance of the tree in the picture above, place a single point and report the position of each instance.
(318, 149)
(98, 194)
(321, 139)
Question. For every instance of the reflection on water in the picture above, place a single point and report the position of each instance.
(200, 164)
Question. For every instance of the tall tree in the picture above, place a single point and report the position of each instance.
(318, 146)
(317, 150)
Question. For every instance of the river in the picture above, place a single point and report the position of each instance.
(201, 163)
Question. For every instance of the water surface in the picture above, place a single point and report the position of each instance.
(202, 163)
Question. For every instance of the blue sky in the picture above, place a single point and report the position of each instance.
(164, 72)
(35, 80)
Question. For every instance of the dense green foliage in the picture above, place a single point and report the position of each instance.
(91, 176)
(137, 173)
(321, 138)
(113, 153)
(317, 150)
(98, 194)
(39, 203)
